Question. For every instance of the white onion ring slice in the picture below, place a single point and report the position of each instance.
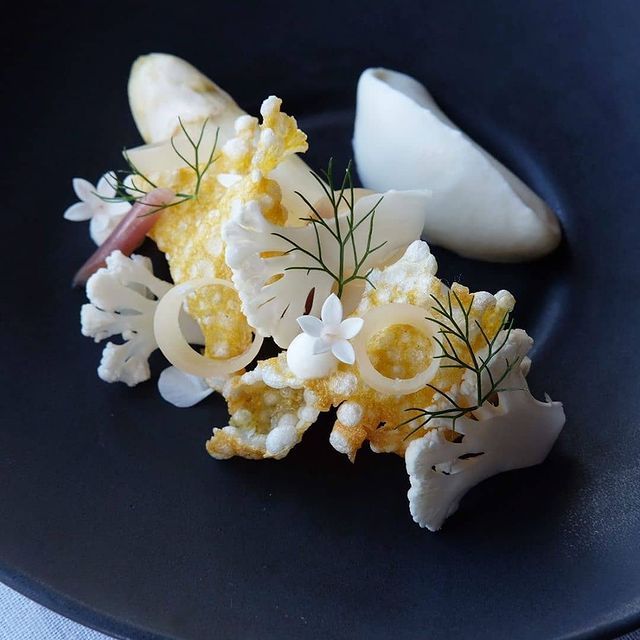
(377, 320)
(171, 341)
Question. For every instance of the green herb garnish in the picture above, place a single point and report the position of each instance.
(343, 231)
(457, 353)
(133, 194)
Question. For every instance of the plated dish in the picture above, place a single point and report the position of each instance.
(117, 515)
(260, 246)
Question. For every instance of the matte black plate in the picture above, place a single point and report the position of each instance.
(112, 512)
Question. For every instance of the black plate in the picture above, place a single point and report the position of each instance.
(112, 512)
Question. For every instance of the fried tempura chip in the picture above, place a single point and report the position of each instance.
(190, 233)
(267, 420)
(399, 352)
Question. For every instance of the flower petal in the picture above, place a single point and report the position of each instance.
(83, 188)
(320, 346)
(331, 313)
(106, 185)
(116, 209)
(100, 221)
(182, 389)
(78, 212)
(311, 325)
(343, 350)
(350, 328)
(100, 228)
(131, 186)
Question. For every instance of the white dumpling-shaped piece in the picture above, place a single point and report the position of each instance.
(163, 87)
(478, 208)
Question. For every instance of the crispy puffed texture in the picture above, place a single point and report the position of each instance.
(266, 421)
(190, 233)
(398, 351)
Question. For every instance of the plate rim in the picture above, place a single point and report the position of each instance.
(83, 614)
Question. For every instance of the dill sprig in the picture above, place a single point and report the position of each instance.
(133, 194)
(456, 352)
(344, 237)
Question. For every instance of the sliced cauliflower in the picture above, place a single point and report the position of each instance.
(273, 267)
(122, 301)
(268, 417)
(518, 432)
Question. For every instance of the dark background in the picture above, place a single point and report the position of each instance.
(111, 511)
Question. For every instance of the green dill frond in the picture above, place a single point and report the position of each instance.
(132, 193)
(456, 352)
(343, 236)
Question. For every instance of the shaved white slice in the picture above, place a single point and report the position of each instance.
(378, 319)
(517, 433)
(479, 208)
(175, 348)
(182, 389)
(163, 88)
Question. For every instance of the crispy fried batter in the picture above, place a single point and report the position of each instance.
(363, 413)
(266, 422)
(190, 233)
(271, 409)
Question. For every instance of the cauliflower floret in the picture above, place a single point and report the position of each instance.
(518, 432)
(122, 301)
(275, 279)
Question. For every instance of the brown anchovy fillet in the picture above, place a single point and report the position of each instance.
(129, 234)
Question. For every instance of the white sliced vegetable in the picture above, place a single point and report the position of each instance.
(273, 280)
(479, 208)
(517, 433)
(172, 343)
(182, 389)
(123, 297)
(378, 319)
(162, 88)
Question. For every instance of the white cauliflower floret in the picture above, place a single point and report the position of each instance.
(518, 432)
(122, 301)
(274, 269)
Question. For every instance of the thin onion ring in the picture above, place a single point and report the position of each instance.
(166, 326)
(378, 319)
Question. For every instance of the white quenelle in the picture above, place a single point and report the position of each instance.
(324, 341)
(479, 209)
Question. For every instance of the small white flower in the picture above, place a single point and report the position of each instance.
(104, 215)
(331, 332)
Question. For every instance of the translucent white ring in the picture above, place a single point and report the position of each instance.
(378, 319)
(171, 341)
